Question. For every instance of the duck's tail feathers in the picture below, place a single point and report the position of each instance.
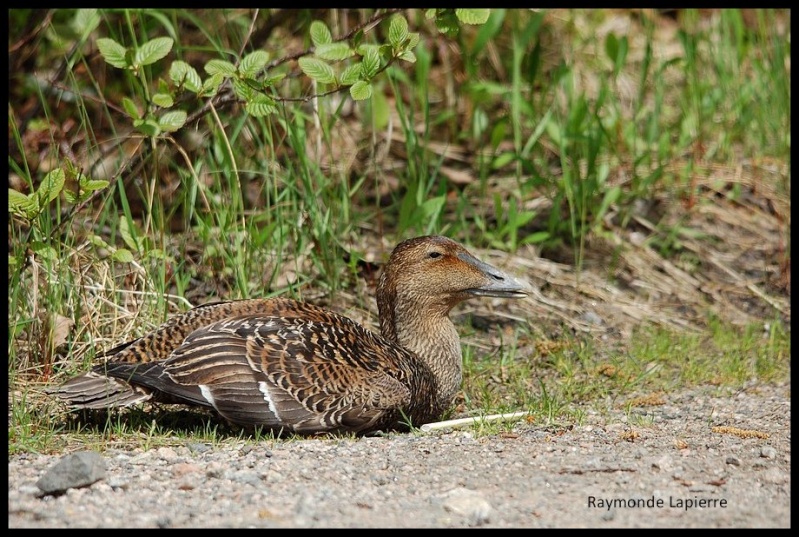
(93, 390)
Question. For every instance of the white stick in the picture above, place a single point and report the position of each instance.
(470, 421)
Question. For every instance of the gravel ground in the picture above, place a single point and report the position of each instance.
(602, 473)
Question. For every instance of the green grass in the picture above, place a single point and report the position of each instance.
(537, 128)
(555, 384)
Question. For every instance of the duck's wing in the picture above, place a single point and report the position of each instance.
(133, 371)
(298, 374)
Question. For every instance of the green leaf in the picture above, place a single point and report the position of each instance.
(413, 40)
(333, 51)
(242, 90)
(398, 31)
(254, 84)
(371, 62)
(624, 46)
(498, 134)
(317, 70)
(616, 50)
(432, 207)
(272, 80)
(147, 126)
(361, 90)
(90, 185)
(129, 234)
(364, 47)
(71, 197)
(112, 52)
(131, 108)
(44, 250)
(51, 187)
(503, 160)
(351, 74)
(20, 204)
(320, 34)
(178, 70)
(98, 241)
(152, 51)
(193, 81)
(172, 121)
(253, 62)
(211, 85)
(473, 16)
(385, 51)
(611, 196)
(612, 46)
(554, 132)
(85, 21)
(185, 75)
(357, 39)
(538, 236)
(122, 255)
(220, 66)
(447, 22)
(164, 100)
(155, 253)
(408, 56)
(260, 106)
(523, 217)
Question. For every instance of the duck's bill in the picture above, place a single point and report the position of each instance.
(499, 284)
(499, 293)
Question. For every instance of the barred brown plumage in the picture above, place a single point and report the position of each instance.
(292, 366)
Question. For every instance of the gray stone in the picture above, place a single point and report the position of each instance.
(768, 452)
(468, 503)
(197, 447)
(73, 471)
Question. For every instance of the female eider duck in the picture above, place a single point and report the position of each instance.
(291, 366)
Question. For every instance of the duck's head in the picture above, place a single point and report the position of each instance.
(435, 273)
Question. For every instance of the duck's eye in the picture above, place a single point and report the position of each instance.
(434, 255)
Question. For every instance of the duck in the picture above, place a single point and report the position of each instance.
(293, 367)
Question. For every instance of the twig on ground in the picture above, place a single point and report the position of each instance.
(465, 422)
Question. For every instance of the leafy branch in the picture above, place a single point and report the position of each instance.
(338, 64)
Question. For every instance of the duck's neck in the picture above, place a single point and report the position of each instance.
(427, 331)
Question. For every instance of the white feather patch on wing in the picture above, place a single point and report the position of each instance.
(206, 392)
(263, 387)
